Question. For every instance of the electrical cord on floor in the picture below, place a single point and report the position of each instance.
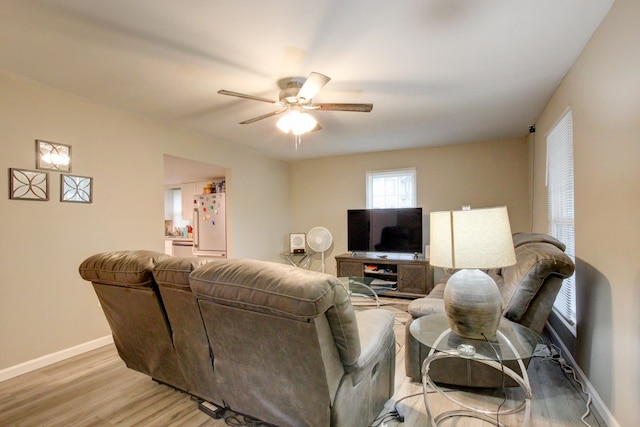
(554, 354)
(382, 421)
(394, 415)
(504, 387)
(234, 419)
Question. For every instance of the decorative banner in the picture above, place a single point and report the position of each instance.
(28, 184)
(75, 188)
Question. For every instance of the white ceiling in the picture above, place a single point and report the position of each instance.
(178, 170)
(437, 71)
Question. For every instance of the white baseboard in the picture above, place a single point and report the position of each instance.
(50, 359)
(596, 401)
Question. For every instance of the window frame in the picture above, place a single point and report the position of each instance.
(560, 183)
(391, 174)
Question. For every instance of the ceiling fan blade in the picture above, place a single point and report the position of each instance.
(264, 116)
(312, 86)
(242, 95)
(362, 108)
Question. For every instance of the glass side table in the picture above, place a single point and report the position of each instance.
(367, 287)
(513, 342)
(302, 260)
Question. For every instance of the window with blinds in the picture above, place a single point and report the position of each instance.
(561, 207)
(391, 189)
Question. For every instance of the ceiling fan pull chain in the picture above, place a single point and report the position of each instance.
(298, 141)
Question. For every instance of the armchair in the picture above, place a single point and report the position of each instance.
(528, 290)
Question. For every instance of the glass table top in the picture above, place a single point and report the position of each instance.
(367, 286)
(433, 331)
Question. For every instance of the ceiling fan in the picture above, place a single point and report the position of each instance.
(294, 99)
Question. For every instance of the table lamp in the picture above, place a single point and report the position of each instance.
(470, 240)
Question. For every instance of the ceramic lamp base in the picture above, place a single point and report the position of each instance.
(473, 304)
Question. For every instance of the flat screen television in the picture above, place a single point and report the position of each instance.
(385, 230)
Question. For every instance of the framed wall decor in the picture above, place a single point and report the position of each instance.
(78, 189)
(53, 156)
(27, 184)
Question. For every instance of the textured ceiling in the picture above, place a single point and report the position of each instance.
(437, 71)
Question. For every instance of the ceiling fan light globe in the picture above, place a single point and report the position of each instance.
(285, 122)
(302, 123)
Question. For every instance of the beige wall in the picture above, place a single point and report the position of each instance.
(482, 174)
(46, 307)
(44, 304)
(603, 89)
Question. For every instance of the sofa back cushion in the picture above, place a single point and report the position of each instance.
(174, 272)
(520, 239)
(283, 291)
(121, 268)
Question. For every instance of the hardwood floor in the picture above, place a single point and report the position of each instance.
(96, 389)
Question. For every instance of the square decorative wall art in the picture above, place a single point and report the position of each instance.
(53, 156)
(75, 188)
(28, 184)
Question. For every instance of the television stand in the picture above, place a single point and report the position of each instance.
(411, 272)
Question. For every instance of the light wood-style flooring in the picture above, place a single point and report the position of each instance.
(96, 389)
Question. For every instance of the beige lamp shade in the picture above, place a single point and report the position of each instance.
(472, 241)
(475, 238)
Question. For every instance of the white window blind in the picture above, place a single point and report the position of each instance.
(561, 207)
(391, 189)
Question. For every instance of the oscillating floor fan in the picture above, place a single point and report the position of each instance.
(319, 239)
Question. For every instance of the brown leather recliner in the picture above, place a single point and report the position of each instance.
(129, 296)
(528, 290)
(288, 347)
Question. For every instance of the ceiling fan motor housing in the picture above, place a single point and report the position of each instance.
(289, 94)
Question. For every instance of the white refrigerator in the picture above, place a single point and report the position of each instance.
(209, 225)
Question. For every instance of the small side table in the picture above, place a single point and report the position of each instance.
(367, 287)
(302, 260)
(514, 342)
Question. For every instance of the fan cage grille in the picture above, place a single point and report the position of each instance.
(319, 239)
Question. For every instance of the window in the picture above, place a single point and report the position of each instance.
(561, 207)
(391, 189)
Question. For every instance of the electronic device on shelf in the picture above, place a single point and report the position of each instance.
(385, 230)
(298, 243)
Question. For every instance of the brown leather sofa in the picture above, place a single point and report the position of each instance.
(272, 341)
(528, 290)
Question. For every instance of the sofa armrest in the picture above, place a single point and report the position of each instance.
(425, 306)
(375, 330)
(537, 262)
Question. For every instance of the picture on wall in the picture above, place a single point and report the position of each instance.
(53, 156)
(27, 184)
(75, 188)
